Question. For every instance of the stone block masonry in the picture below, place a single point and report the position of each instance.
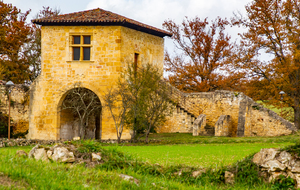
(223, 127)
(112, 47)
(19, 106)
(199, 125)
(247, 117)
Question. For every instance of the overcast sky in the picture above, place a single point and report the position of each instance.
(152, 12)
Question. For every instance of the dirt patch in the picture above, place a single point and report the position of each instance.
(8, 182)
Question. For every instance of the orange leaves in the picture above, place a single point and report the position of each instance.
(205, 54)
(13, 38)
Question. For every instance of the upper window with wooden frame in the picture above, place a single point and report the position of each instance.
(81, 47)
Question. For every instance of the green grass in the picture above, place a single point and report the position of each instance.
(43, 175)
(139, 162)
(188, 138)
(197, 155)
(288, 112)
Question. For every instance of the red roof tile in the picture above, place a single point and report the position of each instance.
(99, 17)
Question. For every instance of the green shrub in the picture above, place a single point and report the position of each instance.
(246, 172)
(283, 183)
(4, 126)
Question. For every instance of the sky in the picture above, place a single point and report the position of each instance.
(151, 12)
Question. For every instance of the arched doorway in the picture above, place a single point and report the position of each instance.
(80, 114)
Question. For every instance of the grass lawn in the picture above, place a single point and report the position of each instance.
(198, 155)
(169, 150)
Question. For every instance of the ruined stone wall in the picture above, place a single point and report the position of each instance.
(248, 118)
(179, 122)
(111, 48)
(19, 106)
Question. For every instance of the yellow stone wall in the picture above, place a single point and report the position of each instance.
(112, 47)
(258, 121)
(19, 107)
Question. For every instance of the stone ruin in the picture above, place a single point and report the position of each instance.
(223, 113)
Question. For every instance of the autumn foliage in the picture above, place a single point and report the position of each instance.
(20, 44)
(203, 57)
(14, 35)
(273, 27)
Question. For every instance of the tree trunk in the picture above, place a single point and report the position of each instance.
(297, 112)
(146, 138)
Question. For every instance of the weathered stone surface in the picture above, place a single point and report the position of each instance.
(229, 177)
(199, 125)
(198, 172)
(96, 157)
(129, 178)
(76, 138)
(297, 178)
(223, 126)
(273, 165)
(61, 154)
(38, 154)
(264, 155)
(284, 157)
(21, 153)
(275, 175)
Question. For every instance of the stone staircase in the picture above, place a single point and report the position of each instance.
(226, 113)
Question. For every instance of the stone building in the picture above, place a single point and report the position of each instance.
(87, 48)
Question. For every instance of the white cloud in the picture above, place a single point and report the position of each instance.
(154, 12)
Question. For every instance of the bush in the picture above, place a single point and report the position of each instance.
(4, 126)
(283, 183)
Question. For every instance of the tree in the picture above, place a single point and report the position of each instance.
(14, 34)
(83, 103)
(118, 102)
(205, 51)
(273, 27)
(140, 101)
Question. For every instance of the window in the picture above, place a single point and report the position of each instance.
(81, 47)
(136, 58)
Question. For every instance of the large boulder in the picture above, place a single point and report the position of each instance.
(60, 154)
(265, 155)
(39, 153)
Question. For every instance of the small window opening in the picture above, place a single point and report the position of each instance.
(136, 57)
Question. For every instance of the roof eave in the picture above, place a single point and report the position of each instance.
(95, 23)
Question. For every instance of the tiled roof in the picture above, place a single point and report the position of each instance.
(99, 17)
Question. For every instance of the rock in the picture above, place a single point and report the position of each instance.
(40, 154)
(76, 138)
(129, 178)
(61, 154)
(2, 144)
(284, 157)
(297, 178)
(179, 173)
(275, 175)
(198, 173)
(229, 177)
(264, 155)
(21, 153)
(273, 165)
(295, 166)
(30, 155)
(49, 154)
(96, 157)
(291, 175)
